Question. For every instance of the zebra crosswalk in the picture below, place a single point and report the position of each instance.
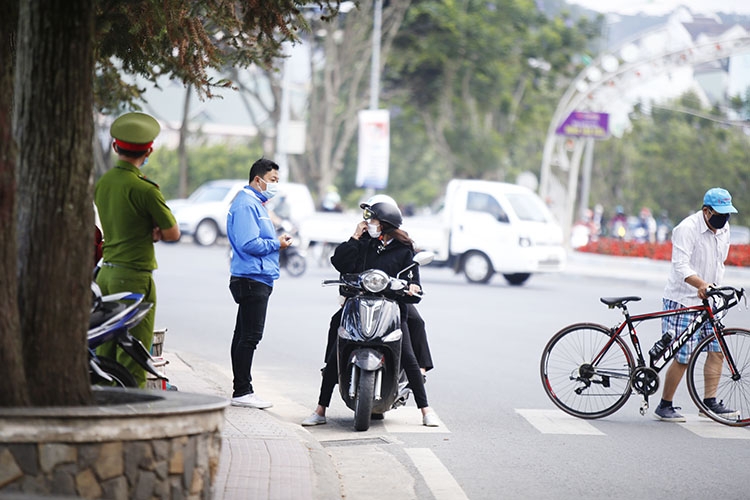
(557, 422)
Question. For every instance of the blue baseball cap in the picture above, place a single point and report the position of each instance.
(720, 200)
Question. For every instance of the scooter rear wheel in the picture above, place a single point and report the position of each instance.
(121, 376)
(365, 397)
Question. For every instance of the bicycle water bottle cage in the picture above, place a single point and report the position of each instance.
(613, 302)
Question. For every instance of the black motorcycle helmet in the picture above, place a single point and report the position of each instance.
(384, 212)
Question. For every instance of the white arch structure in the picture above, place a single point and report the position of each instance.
(603, 83)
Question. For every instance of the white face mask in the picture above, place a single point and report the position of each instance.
(372, 230)
(272, 188)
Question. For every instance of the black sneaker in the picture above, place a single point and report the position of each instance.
(668, 414)
(718, 409)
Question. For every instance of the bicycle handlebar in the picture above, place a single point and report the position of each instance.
(726, 293)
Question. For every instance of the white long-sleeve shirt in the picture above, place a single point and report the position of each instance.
(695, 250)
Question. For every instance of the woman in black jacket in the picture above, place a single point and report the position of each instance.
(377, 243)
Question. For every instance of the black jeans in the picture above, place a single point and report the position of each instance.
(252, 299)
(408, 363)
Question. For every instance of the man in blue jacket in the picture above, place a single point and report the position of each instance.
(254, 268)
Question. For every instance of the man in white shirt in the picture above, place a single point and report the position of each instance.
(700, 245)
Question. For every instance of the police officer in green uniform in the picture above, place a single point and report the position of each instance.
(134, 215)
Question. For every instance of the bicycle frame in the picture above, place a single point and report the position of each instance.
(671, 350)
(706, 314)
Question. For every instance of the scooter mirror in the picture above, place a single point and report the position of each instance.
(421, 258)
(424, 257)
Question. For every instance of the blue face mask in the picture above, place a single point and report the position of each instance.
(145, 162)
(272, 188)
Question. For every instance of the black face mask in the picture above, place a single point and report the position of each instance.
(718, 221)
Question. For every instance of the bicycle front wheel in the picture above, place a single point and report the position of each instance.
(709, 374)
(586, 372)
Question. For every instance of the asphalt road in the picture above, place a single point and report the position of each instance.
(502, 437)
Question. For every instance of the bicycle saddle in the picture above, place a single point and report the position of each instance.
(619, 301)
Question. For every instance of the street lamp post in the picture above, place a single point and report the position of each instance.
(375, 68)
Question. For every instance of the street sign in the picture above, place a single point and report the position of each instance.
(374, 148)
(585, 124)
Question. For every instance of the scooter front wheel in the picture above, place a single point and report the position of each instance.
(364, 401)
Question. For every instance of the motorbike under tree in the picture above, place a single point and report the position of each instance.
(112, 316)
(370, 377)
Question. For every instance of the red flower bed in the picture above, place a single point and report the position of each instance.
(739, 255)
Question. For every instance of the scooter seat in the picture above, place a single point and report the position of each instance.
(105, 311)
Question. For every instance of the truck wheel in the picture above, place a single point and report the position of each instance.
(365, 396)
(517, 278)
(206, 233)
(477, 267)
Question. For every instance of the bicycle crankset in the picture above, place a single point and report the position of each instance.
(645, 380)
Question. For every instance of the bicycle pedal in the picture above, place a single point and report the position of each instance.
(644, 407)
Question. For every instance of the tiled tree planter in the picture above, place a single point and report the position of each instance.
(133, 444)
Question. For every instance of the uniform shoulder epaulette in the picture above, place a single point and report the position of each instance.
(144, 178)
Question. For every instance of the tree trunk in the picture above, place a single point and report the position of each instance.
(13, 389)
(53, 126)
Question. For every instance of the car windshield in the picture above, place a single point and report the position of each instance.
(528, 207)
(207, 194)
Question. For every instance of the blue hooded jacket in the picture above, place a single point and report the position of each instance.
(255, 247)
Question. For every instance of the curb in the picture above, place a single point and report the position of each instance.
(638, 269)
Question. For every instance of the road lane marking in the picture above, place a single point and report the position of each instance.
(440, 481)
(557, 422)
(707, 428)
(409, 420)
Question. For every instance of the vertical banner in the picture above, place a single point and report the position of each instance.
(374, 148)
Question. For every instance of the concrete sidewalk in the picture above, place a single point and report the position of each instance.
(262, 456)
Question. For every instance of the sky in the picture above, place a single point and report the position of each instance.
(661, 7)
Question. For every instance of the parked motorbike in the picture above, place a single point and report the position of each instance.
(293, 258)
(371, 380)
(112, 316)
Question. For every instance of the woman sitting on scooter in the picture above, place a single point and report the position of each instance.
(377, 243)
(414, 321)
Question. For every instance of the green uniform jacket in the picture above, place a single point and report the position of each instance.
(129, 207)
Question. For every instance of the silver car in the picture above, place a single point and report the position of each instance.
(203, 215)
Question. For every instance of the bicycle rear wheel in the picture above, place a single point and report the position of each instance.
(732, 390)
(581, 377)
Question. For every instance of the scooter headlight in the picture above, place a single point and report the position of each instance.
(375, 280)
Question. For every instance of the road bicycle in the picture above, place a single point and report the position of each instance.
(589, 372)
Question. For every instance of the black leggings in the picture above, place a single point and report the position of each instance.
(408, 363)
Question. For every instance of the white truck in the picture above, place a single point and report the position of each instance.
(483, 228)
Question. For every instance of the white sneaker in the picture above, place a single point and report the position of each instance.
(251, 401)
(431, 420)
(314, 419)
